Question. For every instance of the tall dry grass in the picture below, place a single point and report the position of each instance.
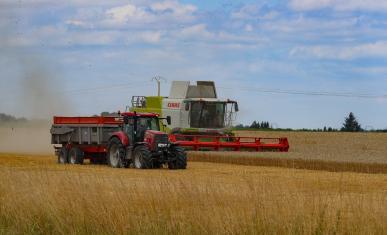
(329, 146)
(354, 152)
(284, 160)
(39, 196)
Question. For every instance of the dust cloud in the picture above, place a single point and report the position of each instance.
(32, 137)
(38, 97)
(42, 92)
(32, 87)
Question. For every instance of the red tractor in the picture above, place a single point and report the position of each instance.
(128, 139)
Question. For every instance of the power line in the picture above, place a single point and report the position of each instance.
(310, 93)
(104, 88)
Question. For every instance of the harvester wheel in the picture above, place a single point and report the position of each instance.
(116, 154)
(76, 156)
(142, 158)
(63, 156)
(178, 158)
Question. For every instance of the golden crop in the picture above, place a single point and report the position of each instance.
(41, 197)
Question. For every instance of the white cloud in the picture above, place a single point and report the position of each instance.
(253, 12)
(249, 28)
(177, 9)
(377, 49)
(146, 36)
(249, 11)
(127, 13)
(198, 31)
(137, 15)
(339, 5)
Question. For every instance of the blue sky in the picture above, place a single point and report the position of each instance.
(84, 57)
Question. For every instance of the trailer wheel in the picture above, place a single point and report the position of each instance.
(116, 154)
(63, 156)
(178, 158)
(142, 158)
(76, 156)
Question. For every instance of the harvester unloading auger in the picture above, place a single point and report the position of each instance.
(202, 121)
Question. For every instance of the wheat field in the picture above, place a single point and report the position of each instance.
(359, 147)
(38, 196)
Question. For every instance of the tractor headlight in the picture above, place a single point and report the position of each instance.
(160, 145)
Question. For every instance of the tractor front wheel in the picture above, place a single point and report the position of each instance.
(142, 158)
(178, 160)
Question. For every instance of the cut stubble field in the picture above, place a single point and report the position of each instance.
(39, 196)
(250, 196)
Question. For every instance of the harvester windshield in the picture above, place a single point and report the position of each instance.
(207, 114)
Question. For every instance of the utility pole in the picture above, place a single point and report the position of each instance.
(158, 79)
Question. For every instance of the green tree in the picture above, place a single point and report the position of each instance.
(351, 124)
(253, 125)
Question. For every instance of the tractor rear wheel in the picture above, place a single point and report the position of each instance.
(142, 158)
(178, 158)
(63, 156)
(75, 156)
(116, 154)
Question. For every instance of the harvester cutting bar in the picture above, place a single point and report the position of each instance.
(227, 143)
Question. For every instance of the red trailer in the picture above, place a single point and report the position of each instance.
(128, 139)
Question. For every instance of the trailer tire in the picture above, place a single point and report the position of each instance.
(76, 156)
(178, 158)
(116, 154)
(63, 156)
(142, 158)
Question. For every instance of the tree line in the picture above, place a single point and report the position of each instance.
(350, 124)
(9, 118)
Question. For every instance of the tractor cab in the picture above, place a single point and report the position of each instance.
(137, 125)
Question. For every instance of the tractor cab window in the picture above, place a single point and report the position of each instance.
(207, 114)
(146, 123)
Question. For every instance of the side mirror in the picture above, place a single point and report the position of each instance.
(236, 107)
(126, 119)
(186, 106)
(169, 120)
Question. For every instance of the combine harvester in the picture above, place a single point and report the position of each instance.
(202, 121)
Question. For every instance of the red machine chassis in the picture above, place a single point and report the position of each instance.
(217, 143)
(190, 142)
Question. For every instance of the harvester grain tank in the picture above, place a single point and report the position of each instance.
(127, 139)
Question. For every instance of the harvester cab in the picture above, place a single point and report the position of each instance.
(194, 109)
